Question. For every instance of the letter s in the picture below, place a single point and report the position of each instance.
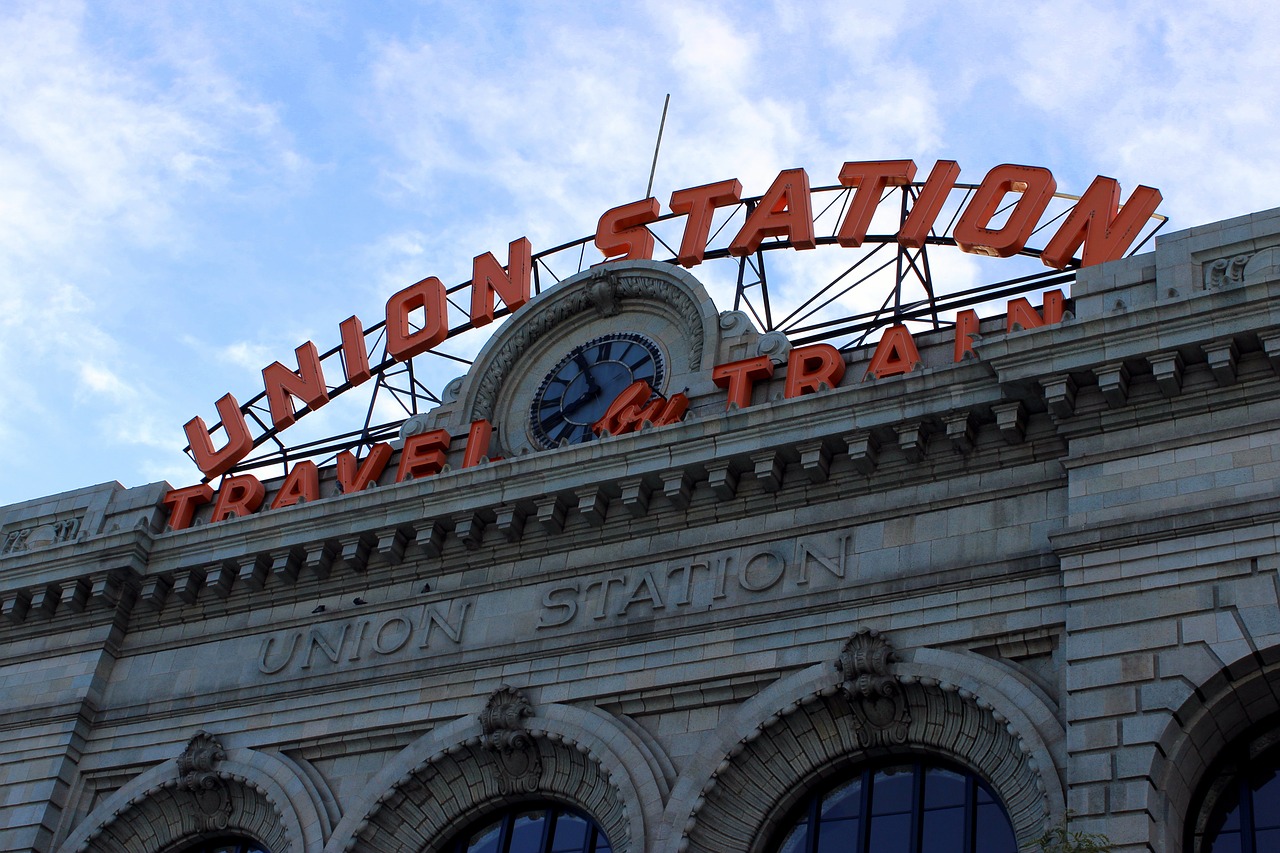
(570, 606)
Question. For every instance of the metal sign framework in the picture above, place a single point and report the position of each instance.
(894, 283)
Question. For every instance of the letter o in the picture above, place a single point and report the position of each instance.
(778, 567)
(398, 644)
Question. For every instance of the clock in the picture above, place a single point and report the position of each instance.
(578, 390)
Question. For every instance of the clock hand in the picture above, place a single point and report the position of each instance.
(579, 403)
(585, 367)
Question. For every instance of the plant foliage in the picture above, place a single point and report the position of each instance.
(1060, 839)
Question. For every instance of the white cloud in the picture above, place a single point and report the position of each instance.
(101, 156)
(1168, 95)
(99, 380)
(252, 356)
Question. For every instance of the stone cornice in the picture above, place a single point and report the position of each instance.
(1181, 524)
(1079, 345)
(127, 550)
(777, 444)
(781, 444)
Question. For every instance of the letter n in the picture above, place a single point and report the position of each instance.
(489, 278)
(283, 384)
(1098, 222)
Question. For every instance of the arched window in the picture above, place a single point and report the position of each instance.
(1243, 804)
(905, 807)
(226, 845)
(534, 828)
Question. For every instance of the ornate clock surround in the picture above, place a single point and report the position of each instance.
(660, 302)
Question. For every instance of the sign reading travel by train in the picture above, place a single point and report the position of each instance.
(996, 218)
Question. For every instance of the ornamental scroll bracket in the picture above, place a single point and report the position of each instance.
(880, 712)
(502, 722)
(197, 775)
(1226, 271)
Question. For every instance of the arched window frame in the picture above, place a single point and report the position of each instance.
(596, 840)
(223, 844)
(809, 808)
(1230, 779)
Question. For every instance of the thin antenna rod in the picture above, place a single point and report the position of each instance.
(653, 170)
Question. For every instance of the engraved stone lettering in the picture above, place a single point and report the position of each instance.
(805, 553)
(435, 616)
(317, 640)
(702, 582)
(645, 589)
(761, 571)
(355, 647)
(392, 636)
(350, 642)
(568, 602)
(601, 610)
(268, 669)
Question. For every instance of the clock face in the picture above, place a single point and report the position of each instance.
(578, 391)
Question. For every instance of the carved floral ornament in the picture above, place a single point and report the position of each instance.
(502, 722)
(198, 776)
(881, 714)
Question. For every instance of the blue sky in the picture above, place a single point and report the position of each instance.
(189, 190)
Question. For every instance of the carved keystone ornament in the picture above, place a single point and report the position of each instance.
(880, 711)
(502, 722)
(196, 775)
(603, 292)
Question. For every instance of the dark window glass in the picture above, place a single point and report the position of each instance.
(993, 829)
(571, 835)
(533, 829)
(1227, 842)
(915, 807)
(1246, 819)
(836, 836)
(1266, 801)
(839, 814)
(485, 841)
(843, 802)
(527, 832)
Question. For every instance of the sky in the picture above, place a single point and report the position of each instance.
(189, 190)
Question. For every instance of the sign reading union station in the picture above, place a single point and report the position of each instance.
(997, 218)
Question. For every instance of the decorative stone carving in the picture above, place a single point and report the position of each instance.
(775, 345)
(603, 293)
(502, 721)
(1225, 271)
(690, 313)
(40, 536)
(807, 740)
(444, 790)
(453, 390)
(735, 323)
(197, 775)
(416, 425)
(880, 712)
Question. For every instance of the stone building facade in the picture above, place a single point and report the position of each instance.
(1052, 566)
